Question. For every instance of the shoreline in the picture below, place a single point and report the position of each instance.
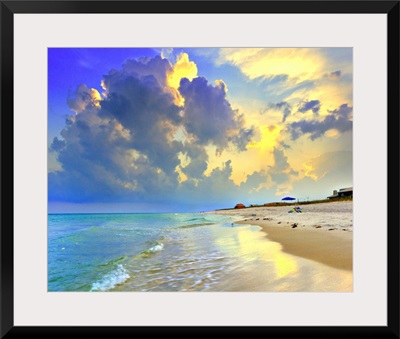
(323, 234)
(334, 249)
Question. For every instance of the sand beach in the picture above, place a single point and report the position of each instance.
(320, 236)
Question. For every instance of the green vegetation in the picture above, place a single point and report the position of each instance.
(322, 201)
(274, 204)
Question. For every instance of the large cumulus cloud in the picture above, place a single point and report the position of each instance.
(83, 97)
(210, 117)
(126, 145)
(281, 171)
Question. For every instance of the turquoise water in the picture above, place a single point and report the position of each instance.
(175, 253)
(140, 252)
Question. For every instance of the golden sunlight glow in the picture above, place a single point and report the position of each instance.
(96, 97)
(182, 69)
(221, 84)
(103, 85)
(283, 189)
(284, 264)
(309, 168)
(184, 161)
(217, 160)
(330, 94)
(298, 64)
(182, 176)
(263, 185)
(252, 246)
(269, 137)
(243, 163)
(80, 103)
(332, 133)
(105, 91)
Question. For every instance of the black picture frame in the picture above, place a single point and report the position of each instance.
(9, 8)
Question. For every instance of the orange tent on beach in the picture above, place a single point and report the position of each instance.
(240, 206)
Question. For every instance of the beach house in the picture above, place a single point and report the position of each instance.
(343, 192)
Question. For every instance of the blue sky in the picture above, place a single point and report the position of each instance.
(194, 129)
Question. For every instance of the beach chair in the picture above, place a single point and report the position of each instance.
(298, 209)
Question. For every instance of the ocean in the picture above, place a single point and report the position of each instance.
(143, 252)
(176, 252)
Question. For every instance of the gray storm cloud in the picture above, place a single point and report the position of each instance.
(340, 119)
(282, 106)
(313, 105)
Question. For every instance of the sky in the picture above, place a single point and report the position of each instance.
(196, 129)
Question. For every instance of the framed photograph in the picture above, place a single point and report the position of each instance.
(220, 167)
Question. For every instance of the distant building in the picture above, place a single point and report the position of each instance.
(343, 192)
(240, 206)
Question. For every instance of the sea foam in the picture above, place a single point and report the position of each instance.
(157, 248)
(111, 279)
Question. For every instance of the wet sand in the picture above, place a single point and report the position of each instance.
(333, 248)
(321, 238)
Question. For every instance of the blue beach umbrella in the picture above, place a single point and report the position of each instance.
(288, 198)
